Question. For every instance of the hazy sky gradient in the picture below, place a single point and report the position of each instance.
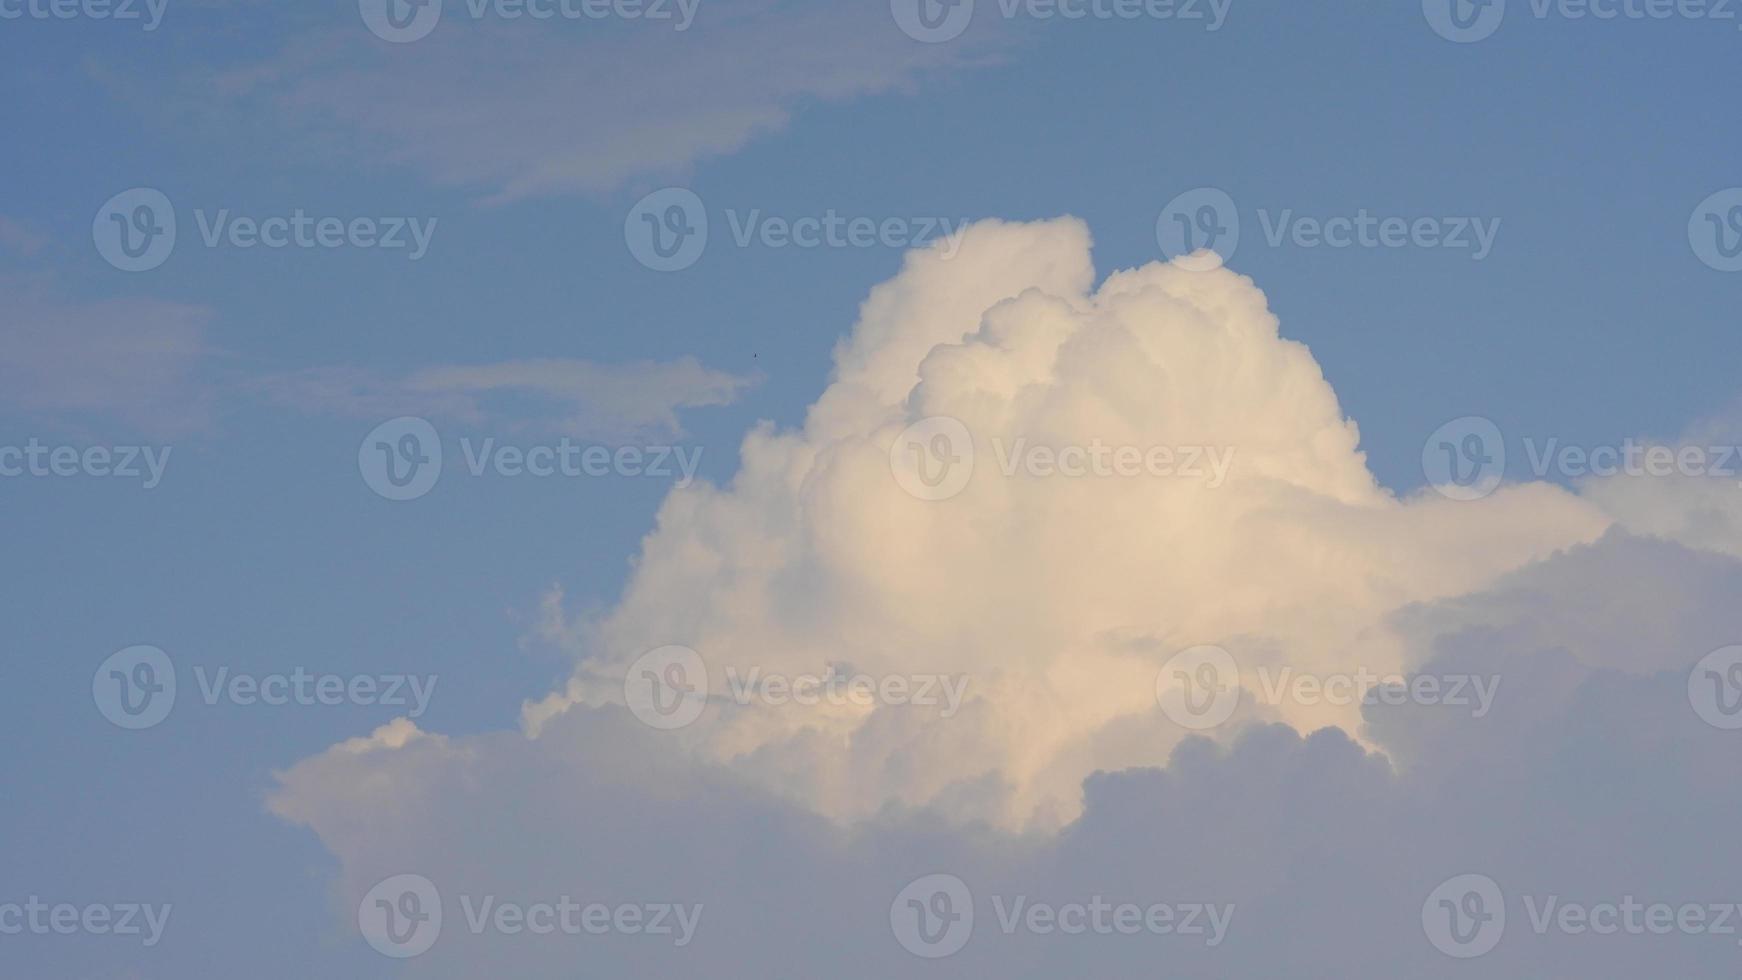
(1045, 151)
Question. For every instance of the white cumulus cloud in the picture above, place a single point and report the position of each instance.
(1058, 599)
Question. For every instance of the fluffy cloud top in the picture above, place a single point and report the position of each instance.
(1056, 598)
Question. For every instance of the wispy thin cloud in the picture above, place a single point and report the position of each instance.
(567, 395)
(515, 110)
(139, 362)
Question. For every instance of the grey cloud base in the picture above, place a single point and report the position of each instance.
(1591, 781)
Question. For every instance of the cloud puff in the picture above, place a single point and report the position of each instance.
(1058, 599)
(1698, 503)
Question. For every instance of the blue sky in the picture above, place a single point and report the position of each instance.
(1591, 320)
